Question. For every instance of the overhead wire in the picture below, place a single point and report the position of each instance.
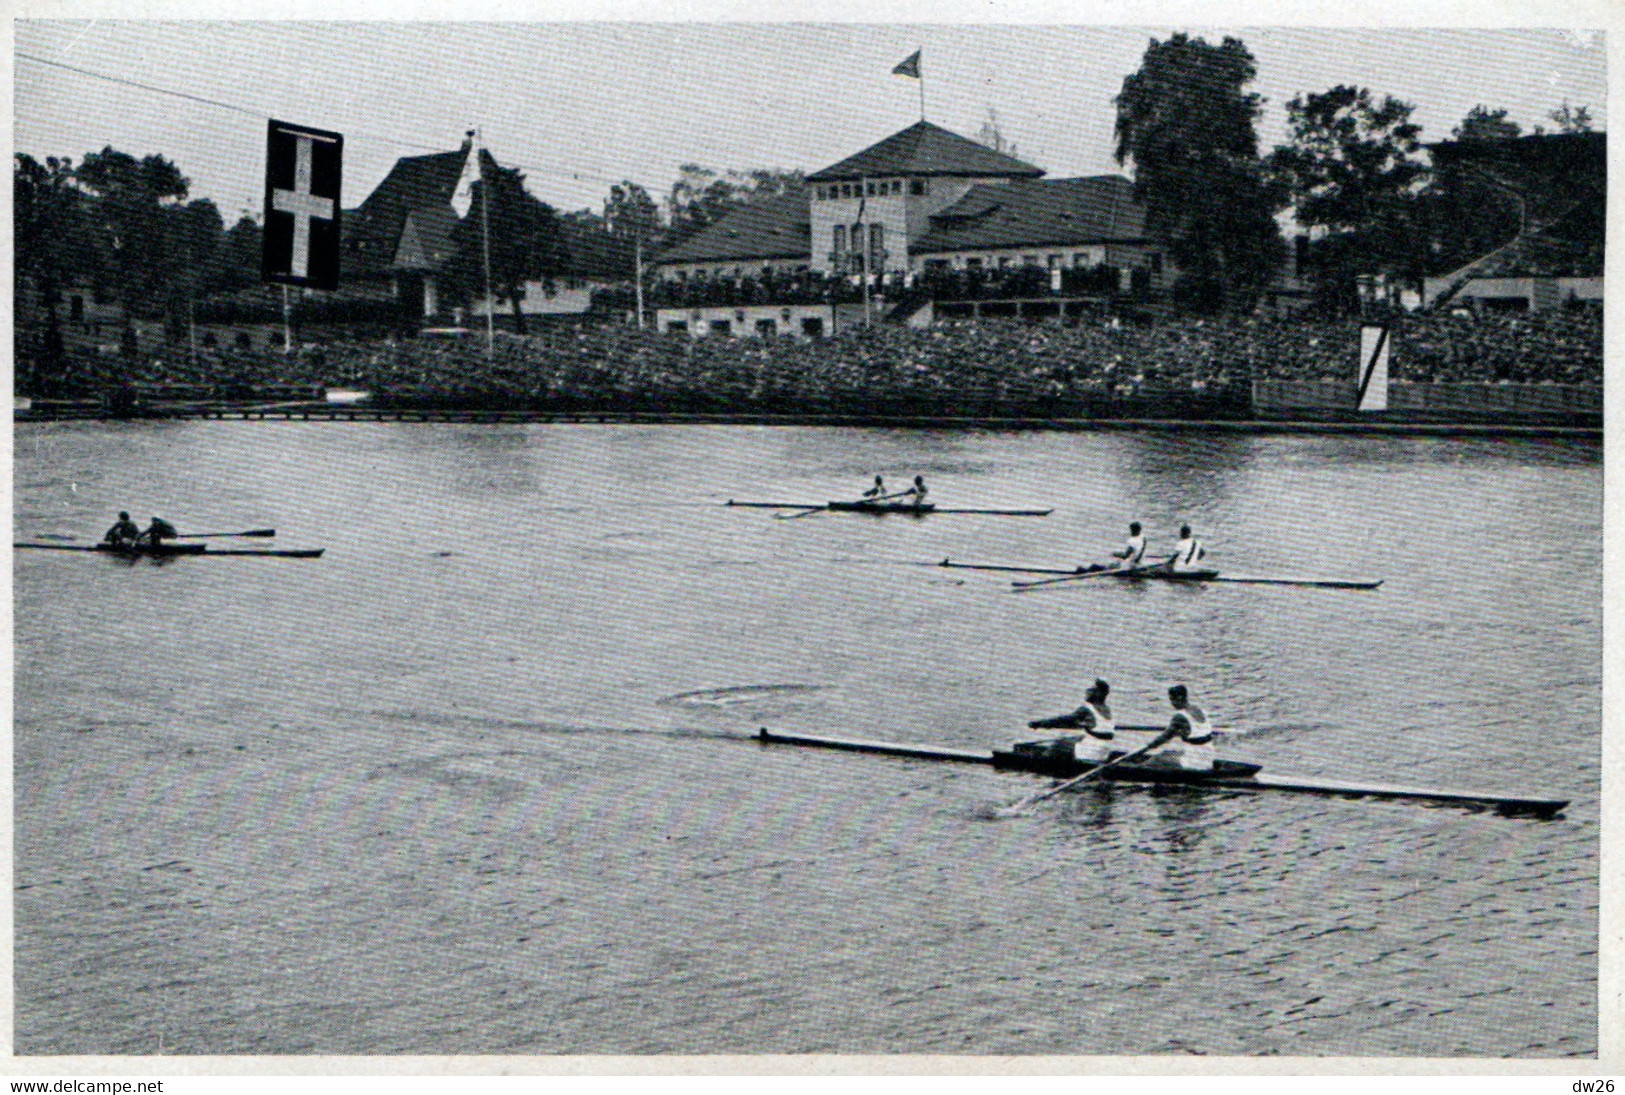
(391, 139)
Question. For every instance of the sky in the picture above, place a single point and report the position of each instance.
(580, 105)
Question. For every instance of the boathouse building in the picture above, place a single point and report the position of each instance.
(914, 212)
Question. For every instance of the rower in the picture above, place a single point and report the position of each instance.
(124, 531)
(917, 492)
(1133, 551)
(1096, 744)
(876, 492)
(1187, 553)
(1189, 732)
(157, 532)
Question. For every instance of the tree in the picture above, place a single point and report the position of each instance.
(632, 221)
(1353, 167)
(49, 252)
(700, 197)
(1188, 125)
(1484, 124)
(525, 241)
(1571, 119)
(136, 245)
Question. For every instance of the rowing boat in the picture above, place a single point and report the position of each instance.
(1042, 758)
(883, 508)
(129, 551)
(1157, 573)
(134, 551)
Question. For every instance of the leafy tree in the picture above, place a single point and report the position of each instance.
(196, 233)
(50, 247)
(525, 240)
(1353, 167)
(1190, 127)
(632, 221)
(237, 261)
(135, 244)
(1484, 124)
(1571, 119)
(700, 197)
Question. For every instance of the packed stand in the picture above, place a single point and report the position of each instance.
(979, 368)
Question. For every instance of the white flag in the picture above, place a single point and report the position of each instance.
(463, 197)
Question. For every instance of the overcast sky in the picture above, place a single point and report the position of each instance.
(579, 105)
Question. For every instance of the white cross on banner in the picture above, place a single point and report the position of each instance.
(303, 172)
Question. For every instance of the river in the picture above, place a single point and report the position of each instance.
(480, 781)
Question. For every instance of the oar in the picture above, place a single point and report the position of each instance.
(1032, 800)
(807, 512)
(262, 532)
(1014, 570)
(1079, 577)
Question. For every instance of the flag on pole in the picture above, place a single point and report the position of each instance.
(303, 172)
(462, 198)
(909, 66)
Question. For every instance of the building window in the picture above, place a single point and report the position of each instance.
(877, 246)
(1055, 262)
(76, 308)
(973, 264)
(1004, 261)
(722, 327)
(766, 328)
(918, 187)
(1156, 263)
(846, 190)
(897, 186)
(677, 326)
(812, 327)
(857, 239)
(840, 238)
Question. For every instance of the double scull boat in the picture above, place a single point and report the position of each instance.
(907, 509)
(1155, 573)
(1043, 759)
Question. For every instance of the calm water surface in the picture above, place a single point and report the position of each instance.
(478, 781)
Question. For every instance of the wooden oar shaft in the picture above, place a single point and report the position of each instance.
(1075, 577)
(774, 505)
(1321, 583)
(1033, 800)
(1009, 569)
(261, 532)
(1003, 512)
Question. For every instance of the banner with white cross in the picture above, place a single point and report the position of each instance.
(303, 172)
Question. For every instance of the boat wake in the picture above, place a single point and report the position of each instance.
(739, 694)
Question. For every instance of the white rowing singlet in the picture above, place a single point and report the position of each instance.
(1187, 554)
(1097, 743)
(1195, 747)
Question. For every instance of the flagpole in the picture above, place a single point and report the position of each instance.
(922, 86)
(287, 321)
(863, 204)
(485, 233)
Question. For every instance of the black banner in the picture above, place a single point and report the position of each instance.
(303, 170)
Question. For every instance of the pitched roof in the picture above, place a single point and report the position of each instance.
(1037, 213)
(774, 227)
(425, 240)
(926, 149)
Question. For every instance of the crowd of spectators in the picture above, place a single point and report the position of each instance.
(980, 367)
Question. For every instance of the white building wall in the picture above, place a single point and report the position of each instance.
(905, 215)
(570, 297)
(1068, 255)
(745, 320)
